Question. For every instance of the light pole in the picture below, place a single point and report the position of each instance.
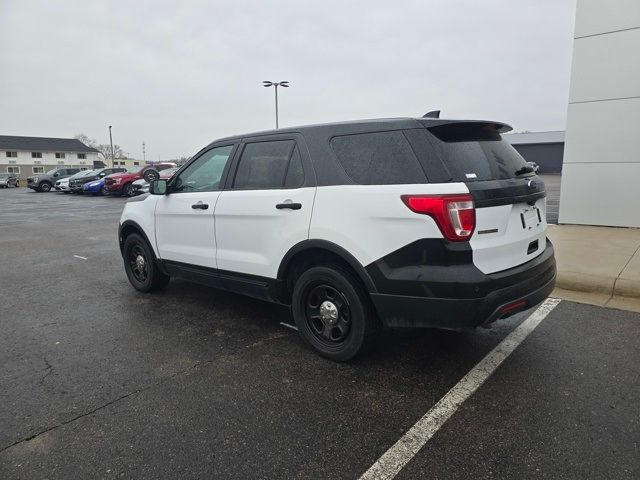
(144, 153)
(267, 83)
(111, 142)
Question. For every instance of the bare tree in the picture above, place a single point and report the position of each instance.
(103, 150)
(88, 141)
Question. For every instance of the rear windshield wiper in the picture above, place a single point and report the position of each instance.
(525, 169)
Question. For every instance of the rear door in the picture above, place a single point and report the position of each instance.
(510, 200)
(185, 229)
(266, 209)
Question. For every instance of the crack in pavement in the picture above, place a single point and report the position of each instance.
(48, 370)
(196, 365)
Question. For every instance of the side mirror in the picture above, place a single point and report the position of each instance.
(151, 174)
(158, 187)
(56, 174)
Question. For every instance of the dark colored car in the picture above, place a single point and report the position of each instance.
(122, 183)
(9, 180)
(44, 182)
(75, 184)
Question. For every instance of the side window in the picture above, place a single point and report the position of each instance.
(263, 165)
(163, 167)
(295, 173)
(204, 174)
(381, 158)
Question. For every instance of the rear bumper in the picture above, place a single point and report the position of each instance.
(506, 293)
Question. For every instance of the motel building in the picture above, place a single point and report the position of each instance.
(27, 156)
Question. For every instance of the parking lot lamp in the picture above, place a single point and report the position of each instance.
(111, 142)
(285, 84)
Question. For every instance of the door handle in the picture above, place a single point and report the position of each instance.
(292, 206)
(200, 206)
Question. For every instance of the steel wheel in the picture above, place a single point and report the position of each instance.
(138, 262)
(328, 313)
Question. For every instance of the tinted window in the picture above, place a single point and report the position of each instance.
(295, 173)
(263, 165)
(204, 173)
(380, 158)
(473, 151)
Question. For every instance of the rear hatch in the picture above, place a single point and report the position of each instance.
(510, 200)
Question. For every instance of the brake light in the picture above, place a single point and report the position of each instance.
(454, 214)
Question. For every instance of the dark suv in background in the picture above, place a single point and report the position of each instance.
(44, 182)
(75, 184)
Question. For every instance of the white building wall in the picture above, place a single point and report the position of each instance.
(601, 172)
(26, 162)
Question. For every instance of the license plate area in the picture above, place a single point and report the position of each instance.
(530, 218)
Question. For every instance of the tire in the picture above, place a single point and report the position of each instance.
(44, 187)
(127, 190)
(333, 313)
(153, 279)
(66, 192)
(103, 191)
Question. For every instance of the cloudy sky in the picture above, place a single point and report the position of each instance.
(179, 74)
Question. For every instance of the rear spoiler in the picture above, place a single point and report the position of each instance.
(486, 126)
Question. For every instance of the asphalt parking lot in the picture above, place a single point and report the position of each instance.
(100, 381)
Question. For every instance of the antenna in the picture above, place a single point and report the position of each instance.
(432, 114)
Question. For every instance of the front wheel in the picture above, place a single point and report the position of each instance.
(103, 191)
(140, 265)
(45, 187)
(333, 313)
(127, 190)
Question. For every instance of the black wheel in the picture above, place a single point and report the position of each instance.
(45, 187)
(103, 190)
(127, 190)
(140, 265)
(333, 313)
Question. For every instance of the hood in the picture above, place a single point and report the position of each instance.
(94, 183)
(121, 174)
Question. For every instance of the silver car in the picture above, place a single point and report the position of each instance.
(9, 180)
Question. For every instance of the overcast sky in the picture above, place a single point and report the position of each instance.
(180, 74)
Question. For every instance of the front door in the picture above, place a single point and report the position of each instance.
(265, 211)
(185, 227)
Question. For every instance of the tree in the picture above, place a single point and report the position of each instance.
(103, 150)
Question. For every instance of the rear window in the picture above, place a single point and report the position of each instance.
(475, 152)
(380, 158)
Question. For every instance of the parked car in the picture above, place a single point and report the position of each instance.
(142, 186)
(9, 180)
(96, 187)
(45, 181)
(63, 185)
(76, 183)
(122, 183)
(357, 226)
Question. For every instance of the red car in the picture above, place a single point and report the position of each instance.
(122, 183)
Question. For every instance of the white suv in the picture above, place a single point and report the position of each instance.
(357, 226)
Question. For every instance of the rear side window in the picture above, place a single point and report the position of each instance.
(475, 151)
(381, 158)
(264, 165)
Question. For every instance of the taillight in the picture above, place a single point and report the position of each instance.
(454, 214)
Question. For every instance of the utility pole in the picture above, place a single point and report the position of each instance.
(285, 84)
(144, 153)
(111, 142)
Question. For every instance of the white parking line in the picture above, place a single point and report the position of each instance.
(78, 256)
(288, 325)
(394, 459)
